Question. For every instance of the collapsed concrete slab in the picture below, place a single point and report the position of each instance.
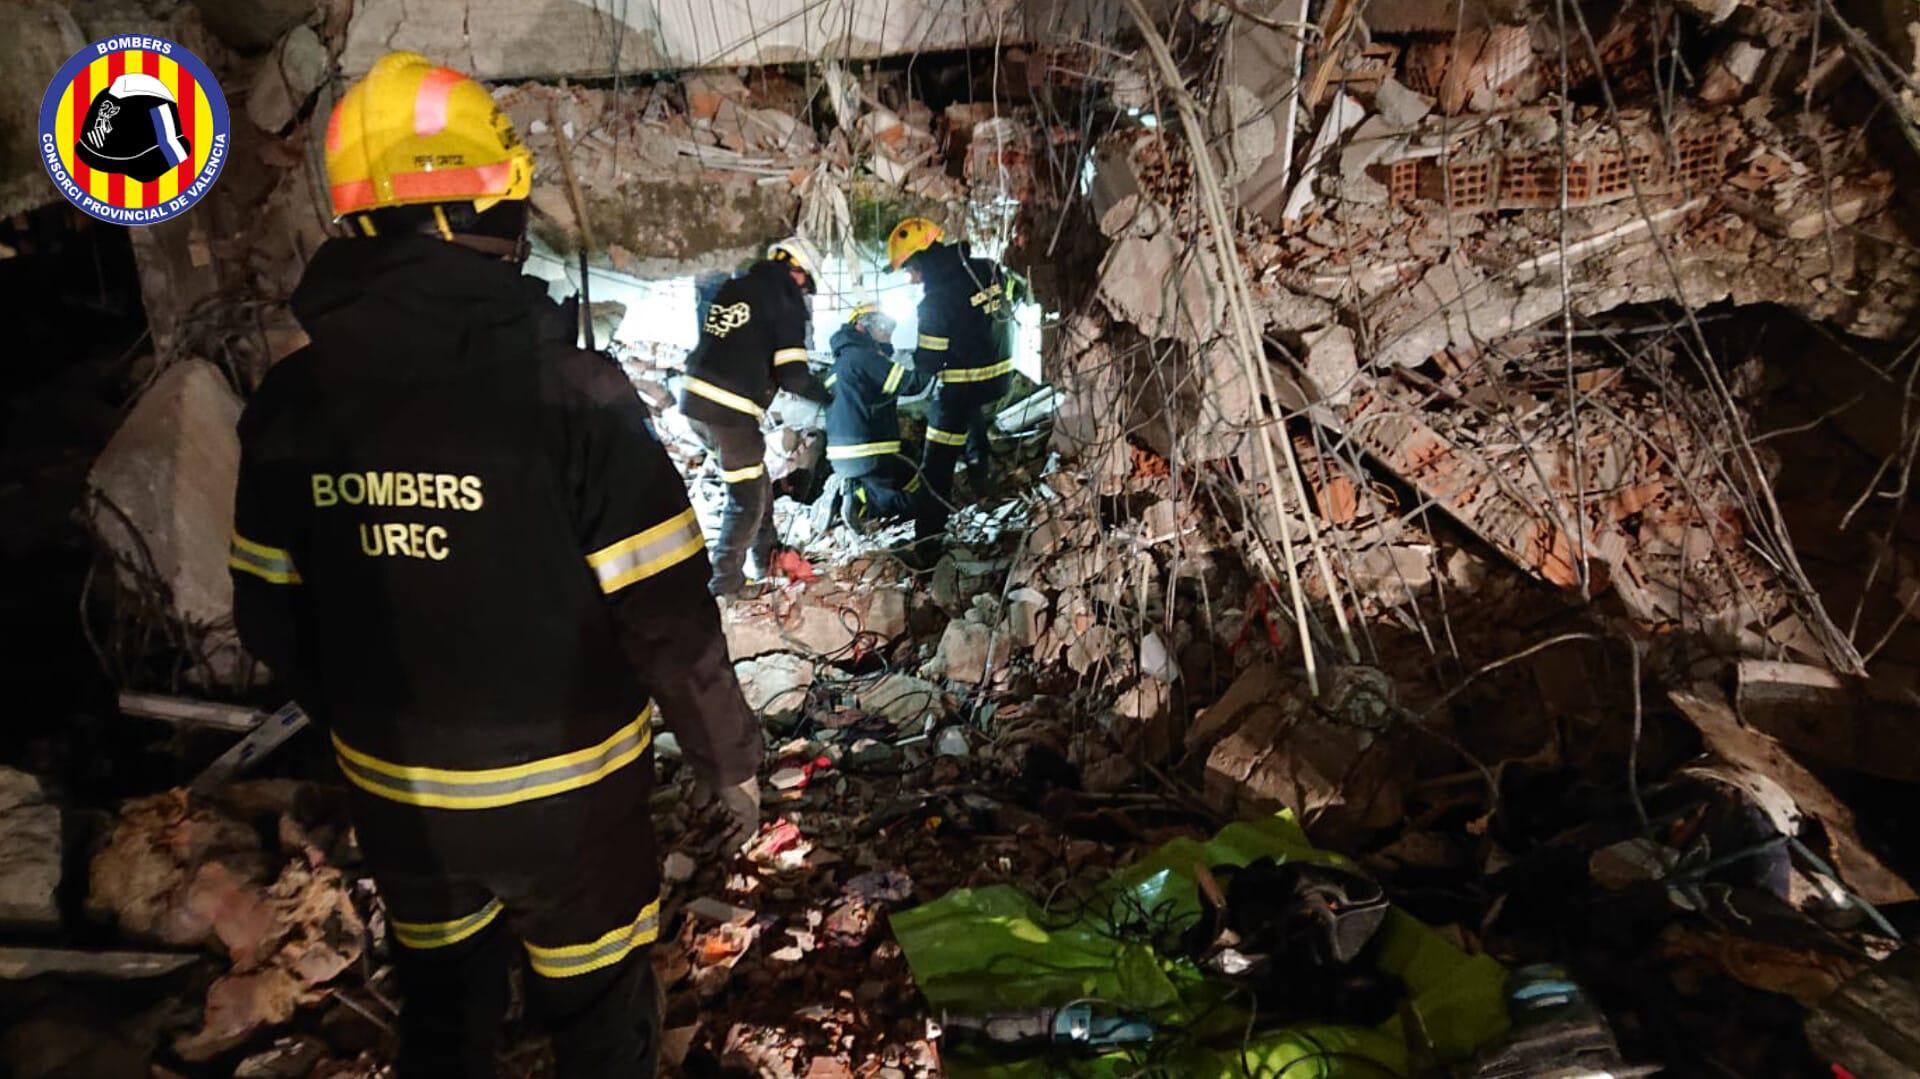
(163, 491)
(30, 854)
(507, 39)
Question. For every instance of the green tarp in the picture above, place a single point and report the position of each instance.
(986, 950)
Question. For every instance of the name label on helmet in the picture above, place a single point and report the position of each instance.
(722, 321)
(133, 129)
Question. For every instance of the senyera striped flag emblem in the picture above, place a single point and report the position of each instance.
(191, 141)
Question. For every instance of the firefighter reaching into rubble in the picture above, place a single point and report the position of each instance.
(966, 343)
(458, 539)
(863, 423)
(753, 342)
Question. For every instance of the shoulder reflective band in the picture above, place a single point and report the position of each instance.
(977, 374)
(789, 355)
(576, 959)
(421, 936)
(946, 438)
(893, 379)
(271, 564)
(646, 553)
(864, 449)
(932, 343)
(724, 397)
(489, 788)
(743, 475)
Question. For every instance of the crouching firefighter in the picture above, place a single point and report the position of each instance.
(458, 539)
(753, 342)
(863, 423)
(965, 342)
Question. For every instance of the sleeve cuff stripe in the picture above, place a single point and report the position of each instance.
(646, 553)
(893, 379)
(932, 343)
(742, 475)
(270, 564)
(790, 355)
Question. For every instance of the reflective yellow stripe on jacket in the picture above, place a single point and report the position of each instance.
(489, 788)
(647, 552)
(977, 374)
(789, 355)
(725, 397)
(273, 565)
(932, 343)
(861, 449)
(946, 438)
(743, 475)
(893, 378)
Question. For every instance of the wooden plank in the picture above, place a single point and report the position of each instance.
(185, 711)
(21, 963)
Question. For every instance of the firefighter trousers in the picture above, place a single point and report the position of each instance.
(887, 489)
(956, 424)
(570, 879)
(746, 526)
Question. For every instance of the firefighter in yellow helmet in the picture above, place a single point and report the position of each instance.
(966, 343)
(458, 541)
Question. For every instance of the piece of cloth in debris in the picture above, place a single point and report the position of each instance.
(994, 950)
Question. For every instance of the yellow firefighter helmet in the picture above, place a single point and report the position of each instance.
(412, 133)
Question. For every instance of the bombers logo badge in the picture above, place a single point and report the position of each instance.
(133, 130)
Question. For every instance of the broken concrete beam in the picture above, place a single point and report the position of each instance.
(30, 854)
(1259, 103)
(822, 619)
(19, 964)
(1828, 718)
(508, 39)
(775, 685)
(40, 35)
(165, 485)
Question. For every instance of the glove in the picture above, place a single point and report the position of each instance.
(741, 803)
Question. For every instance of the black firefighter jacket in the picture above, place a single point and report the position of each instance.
(863, 423)
(966, 323)
(752, 343)
(457, 535)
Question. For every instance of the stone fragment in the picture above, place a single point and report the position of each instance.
(285, 79)
(1026, 616)
(253, 24)
(899, 698)
(30, 854)
(1333, 365)
(820, 619)
(968, 648)
(40, 35)
(775, 684)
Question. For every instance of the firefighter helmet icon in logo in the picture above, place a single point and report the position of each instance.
(133, 130)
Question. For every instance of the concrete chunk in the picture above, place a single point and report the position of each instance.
(171, 470)
(29, 854)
